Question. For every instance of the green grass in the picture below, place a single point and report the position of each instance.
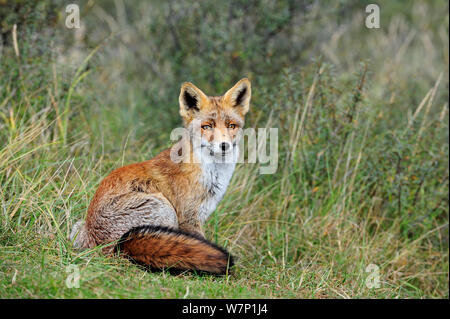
(363, 146)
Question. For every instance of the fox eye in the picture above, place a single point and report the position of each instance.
(232, 126)
(206, 127)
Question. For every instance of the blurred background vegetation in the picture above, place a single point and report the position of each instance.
(363, 126)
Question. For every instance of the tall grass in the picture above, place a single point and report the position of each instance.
(363, 146)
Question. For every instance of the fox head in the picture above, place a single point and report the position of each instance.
(216, 120)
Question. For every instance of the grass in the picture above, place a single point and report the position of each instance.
(363, 154)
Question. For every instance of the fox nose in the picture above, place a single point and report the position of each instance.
(224, 146)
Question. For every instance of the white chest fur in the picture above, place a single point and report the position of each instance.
(215, 178)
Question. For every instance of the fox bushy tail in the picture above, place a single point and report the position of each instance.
(161, 247)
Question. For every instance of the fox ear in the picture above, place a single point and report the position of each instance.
(191, 99)
(239, 96)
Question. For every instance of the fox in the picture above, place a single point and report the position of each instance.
(153, 212)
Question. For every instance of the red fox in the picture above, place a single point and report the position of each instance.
(153, 211)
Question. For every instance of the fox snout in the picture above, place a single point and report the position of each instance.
(225, 146)
(221, 140)
(218, 120)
